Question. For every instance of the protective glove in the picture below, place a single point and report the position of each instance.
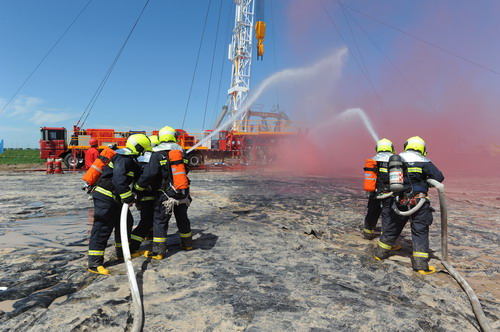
(129, 200)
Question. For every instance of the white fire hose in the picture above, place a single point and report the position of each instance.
(476, 305)
(134, 288)
(411, 211)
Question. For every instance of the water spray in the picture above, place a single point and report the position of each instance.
(335, 60)
(347, 114)
(359, 112)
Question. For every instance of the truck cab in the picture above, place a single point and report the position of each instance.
(52, 142)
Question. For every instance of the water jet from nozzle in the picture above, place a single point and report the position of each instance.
(334, 60)
(366, 121)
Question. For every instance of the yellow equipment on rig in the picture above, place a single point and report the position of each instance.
(260, 33)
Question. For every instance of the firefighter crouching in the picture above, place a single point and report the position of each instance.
(167, 176)
(418, 169)
(145, 204)
(376, 184)
(112, 190)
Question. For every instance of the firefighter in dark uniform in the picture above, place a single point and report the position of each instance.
(379, 207)
(157, 176)
(112, 190)
(418, 170)
(145, 204)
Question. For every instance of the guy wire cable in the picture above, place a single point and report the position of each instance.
(390, 61)
(382, 106)
(196, 64)
(46, 55)
(93, 100)
(425, 42)
(226, 37)
(212, 66)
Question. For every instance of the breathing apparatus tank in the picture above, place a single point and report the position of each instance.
(396, 180)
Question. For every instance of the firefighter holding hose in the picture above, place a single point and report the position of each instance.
(145, 204)
(377, 185)
(166, 175)
(111, 191)
(417, 169)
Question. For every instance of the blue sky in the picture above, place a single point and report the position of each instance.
(150, 84)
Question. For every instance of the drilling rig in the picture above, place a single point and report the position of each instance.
(244, 140)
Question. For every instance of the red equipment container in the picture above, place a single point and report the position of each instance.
(49, 165)
(58, 166)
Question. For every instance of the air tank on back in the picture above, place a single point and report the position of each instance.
(396, 180)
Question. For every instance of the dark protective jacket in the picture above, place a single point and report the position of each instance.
(418, 169)
(382, 159)
(155, 174)
(119, 175)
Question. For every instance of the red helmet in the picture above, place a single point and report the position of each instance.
(93, 142)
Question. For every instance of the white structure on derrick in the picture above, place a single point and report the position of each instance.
(240, 54)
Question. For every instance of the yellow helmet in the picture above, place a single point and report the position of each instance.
(154, 140)
(167, 134)
(415, 143)
(384, 145)
(138, 143)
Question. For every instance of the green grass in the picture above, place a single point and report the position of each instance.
(18, 156)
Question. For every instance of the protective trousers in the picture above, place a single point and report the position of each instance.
(106, 218)
(145, 224)
(420, 222)
(160, 224)
(377, 208)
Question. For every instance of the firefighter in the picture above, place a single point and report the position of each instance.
(113, 189)
(145, 204)
(418, 169)
(92, 153)
(379, 207)
(158, 177)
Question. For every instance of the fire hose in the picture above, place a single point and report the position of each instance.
(134, 288)
(410, 211)
(476, 305)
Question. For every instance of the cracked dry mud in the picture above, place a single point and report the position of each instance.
(272, 253)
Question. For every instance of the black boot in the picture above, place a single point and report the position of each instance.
(187, 243)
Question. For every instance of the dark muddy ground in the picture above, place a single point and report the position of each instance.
(272, 253)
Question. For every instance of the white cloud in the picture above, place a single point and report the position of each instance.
(44, 118)
(32, 110)
(24, 105)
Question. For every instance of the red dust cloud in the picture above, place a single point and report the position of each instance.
(452, 105)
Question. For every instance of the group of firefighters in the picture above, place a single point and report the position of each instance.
(143, 174)
(384, 203)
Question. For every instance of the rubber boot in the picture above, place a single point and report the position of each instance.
(430, 270)
(420, 263)
(368, 234)
(119, 254)
(153, 255)
(381, 253)
(137, 253)
(98, 270)
(187, 243)
(95, 260)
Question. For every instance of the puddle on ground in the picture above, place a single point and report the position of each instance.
(59, 231)
(57, 301)
(7, 305)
